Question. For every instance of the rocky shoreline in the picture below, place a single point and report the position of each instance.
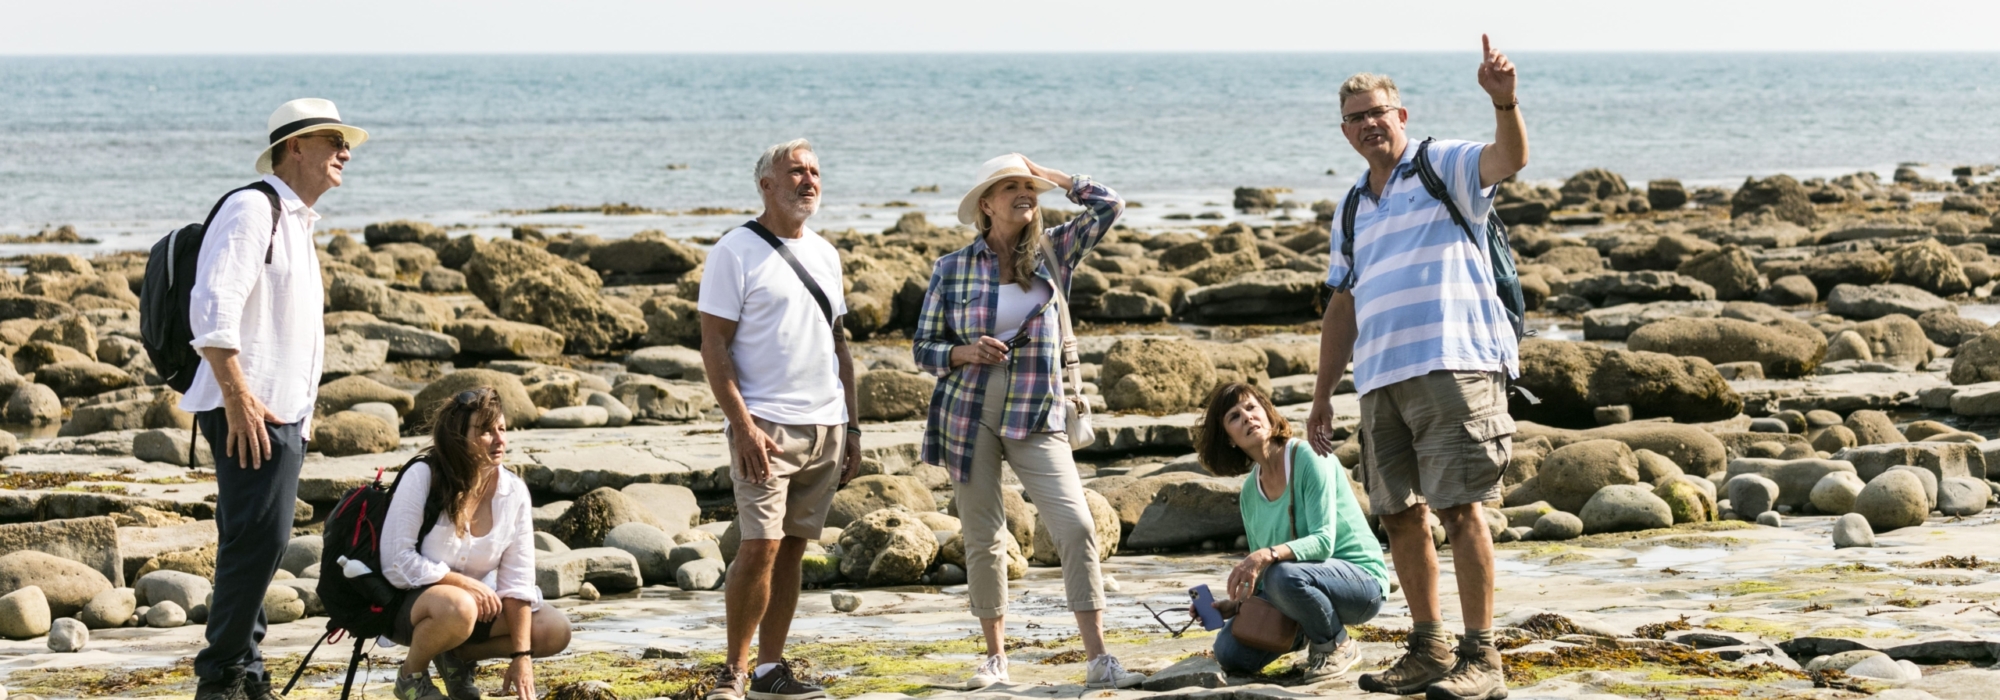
(1787, 354)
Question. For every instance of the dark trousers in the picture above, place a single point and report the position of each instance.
(253, 522)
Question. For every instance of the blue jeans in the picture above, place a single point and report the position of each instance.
(1323, 596)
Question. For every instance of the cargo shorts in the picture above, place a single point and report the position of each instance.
(1443, 438)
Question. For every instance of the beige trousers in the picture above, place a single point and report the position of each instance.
(1044, 465)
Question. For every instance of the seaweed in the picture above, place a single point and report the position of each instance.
(1660, 630)
(1372, 633)
(1528, 668)
(1549, 626)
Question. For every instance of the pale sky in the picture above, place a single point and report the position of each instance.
(111, 27)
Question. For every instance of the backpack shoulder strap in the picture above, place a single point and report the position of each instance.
(432, 507)
(277, 210)
(784, 251)
(1435, 186)
(1347, 234)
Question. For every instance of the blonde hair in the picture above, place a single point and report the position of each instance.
(784, 150)
(1027, 250)
(1364, 83)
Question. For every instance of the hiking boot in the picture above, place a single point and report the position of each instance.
(992, 669)
(1477, 676)
(259, 689)
(1105, 672)
(228, 687)
(778, 684)
(728, 685)
(417, 686)
(457, 675)
(1425, 662)
(1329, 660)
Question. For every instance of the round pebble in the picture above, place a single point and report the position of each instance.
(588, 591)
(166, 614)
(1770, 518)
(846, 601)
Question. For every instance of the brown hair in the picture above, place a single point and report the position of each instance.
(1211, 437)
(1027, 250)
(454, 470)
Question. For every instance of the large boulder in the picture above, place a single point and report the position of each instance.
(1592, 185)
(523, 283)
(1928, 265)
(1835, 493)
(1875, 301)
(1720, 340)
(348, 353)
(179, 587)
(404, 231)
(70, 379)
(1257, 297)
(1861, 268)
(889, 547)
(609, 569)
(344, 393)
(1793, 480)
(1130, 496)
(1189, 513)
(892, 394)
(1155, 375)
(645, 252)
(649, 547)
(1872, 427)
(111, 607)
(1751, 495)
(1943, 459)
(871, 493)
(24, 613)
(351, 292)
(33, 404)
(1962, 496)
(1977, 360)
(1696, 451)
(1893, 500)
(668, 362)
(1618, 322)
(405, 342)
(1729, 270)
(1686, 499)
(1623, 508)
(353, 433)
(67, 584)
(1612, 288)
(514, 401)
(505, 339)
(93, 542)
(1779, 196)
(1663, 252)
(593, 515)
(1897, 340)
(653, 398)
(1573, 379)
(1950, 329)
(1571, 474)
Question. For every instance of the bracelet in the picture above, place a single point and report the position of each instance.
(520, 654)
(1509, 107)
(851, 430)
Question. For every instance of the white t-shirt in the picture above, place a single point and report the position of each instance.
(1016, 305)
(783, 351)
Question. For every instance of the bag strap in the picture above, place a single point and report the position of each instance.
(1347, 235)
(1291, 498)
(1071, 360)
(784, 251)
(277, 210)
(1435, 186)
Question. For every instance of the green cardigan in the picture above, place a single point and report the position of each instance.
(1330, 523)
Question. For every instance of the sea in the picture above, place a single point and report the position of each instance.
(123, 148)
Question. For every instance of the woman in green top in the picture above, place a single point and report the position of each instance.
(1312, 555)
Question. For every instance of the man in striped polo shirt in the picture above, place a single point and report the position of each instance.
(1429, 340)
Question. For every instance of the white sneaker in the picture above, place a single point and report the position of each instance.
(992, 669)
(1105, 672)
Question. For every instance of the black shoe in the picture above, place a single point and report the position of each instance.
(258, 689)
(228, 687)
(780, 685)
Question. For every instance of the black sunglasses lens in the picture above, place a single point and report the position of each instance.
(467, 397)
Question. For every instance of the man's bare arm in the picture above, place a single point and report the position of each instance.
(1336, 347)
(716, 335)
(1508, 153)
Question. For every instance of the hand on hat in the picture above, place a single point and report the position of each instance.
(1061, 179)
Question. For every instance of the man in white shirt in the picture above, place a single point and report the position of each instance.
(255, 310)
(781, 372)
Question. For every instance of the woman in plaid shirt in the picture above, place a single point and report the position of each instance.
(991, 334)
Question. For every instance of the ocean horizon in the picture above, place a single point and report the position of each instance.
(122, 147)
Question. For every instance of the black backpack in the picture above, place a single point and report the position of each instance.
(362, 607)
(164, 328)
(1506, 279)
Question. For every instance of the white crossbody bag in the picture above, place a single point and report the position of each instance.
(1076, 411)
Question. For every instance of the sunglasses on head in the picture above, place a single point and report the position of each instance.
(470, 396)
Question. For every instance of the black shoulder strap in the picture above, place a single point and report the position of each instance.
(1347, 234)
(277, 210)
(825, 307)
(1435, 186)
(1291, 495)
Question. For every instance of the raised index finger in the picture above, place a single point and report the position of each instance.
(1486, 46)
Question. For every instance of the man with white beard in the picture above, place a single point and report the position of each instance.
(770, 339)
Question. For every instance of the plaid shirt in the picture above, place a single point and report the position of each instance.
(959, 307)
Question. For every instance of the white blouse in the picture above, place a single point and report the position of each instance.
(504, 559)
(1016, 304)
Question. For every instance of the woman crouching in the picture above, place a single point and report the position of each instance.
(469, 584)
(1312, 555)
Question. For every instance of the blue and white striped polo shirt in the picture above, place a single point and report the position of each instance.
(1423, 294)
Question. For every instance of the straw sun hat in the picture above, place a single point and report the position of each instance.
(1001, 168)
(304, 116)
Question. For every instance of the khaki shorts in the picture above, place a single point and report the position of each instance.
(804, 475)
(1443, 438)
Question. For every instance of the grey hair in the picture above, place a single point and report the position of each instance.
(1362, 83)
(783, 150)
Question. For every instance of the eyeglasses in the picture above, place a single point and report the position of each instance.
(471, 396)
(1159, 616)
(1376, 113)
(339, 142)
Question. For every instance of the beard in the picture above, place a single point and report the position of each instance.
(799, 206)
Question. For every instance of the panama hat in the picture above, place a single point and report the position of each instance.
(1001, 168)
(305, 116)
